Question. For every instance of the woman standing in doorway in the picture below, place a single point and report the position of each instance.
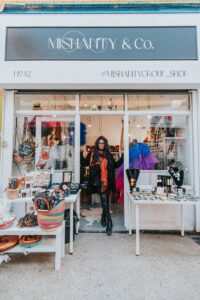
(102, 176)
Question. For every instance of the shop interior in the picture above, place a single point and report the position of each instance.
(111, 127)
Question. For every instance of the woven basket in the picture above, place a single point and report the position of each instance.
(29, 239)
(50, 219)
(13, 194)
(7, 242)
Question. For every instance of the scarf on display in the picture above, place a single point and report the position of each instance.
(103, 162)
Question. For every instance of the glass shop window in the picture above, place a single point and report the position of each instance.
(44, 143)
(158, 102)
(157, 142)
(102, 102)
(49, 102)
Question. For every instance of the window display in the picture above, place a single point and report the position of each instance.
(44, 143)
(165, 136)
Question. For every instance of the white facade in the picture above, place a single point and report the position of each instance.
(95, 75)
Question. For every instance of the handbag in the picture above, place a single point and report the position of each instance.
(16, 157)
(26, 148)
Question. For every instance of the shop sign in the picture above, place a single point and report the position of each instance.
(101, 43)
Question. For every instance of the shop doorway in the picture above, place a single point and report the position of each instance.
(111, 127)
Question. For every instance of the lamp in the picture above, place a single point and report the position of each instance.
(89, 122)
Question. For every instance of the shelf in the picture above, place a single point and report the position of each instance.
(170, 138)
(70, 198)
(44, 246)
(15, 230)
(21, 200)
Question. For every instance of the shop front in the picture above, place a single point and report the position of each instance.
(68, 81)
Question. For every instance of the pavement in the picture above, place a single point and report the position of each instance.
(104, 267)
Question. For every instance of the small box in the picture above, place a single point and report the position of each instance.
(160, 190)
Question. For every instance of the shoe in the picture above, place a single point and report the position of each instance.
(109, 227)
(103, 220)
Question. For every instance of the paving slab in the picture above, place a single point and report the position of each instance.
(105, 267)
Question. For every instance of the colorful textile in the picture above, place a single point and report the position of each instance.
(140, 157)
(103, 162)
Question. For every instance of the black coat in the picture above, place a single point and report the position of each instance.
(94, 184)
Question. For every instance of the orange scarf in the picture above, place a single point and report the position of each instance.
(104, 172)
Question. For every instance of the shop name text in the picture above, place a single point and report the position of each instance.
(98, 45)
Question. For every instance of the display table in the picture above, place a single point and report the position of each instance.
(71, 199)
(54, 244)
(53, 241)
(146, 199)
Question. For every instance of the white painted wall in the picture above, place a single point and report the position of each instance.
(88, 75)
(109, 126)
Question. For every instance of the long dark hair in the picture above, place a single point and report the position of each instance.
(106, 150)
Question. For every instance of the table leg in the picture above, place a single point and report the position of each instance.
(130, 213)
(137, 221)
(182, 220)
(71, 229)
(63, 241)
(78, 213)
(58, 250)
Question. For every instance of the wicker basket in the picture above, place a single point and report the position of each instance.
(50, 219)
(13, 194)
(8, 242)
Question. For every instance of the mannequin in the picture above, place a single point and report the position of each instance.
(102, 176)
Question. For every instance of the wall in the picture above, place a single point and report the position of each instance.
(109, 126)
(91, 74)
